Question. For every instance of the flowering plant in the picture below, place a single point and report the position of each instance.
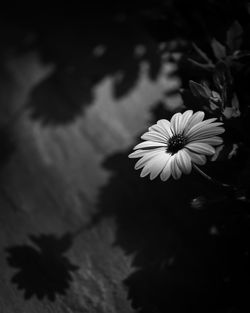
(197, 252)
(213, 106)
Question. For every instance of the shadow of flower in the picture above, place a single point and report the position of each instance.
(43, 270)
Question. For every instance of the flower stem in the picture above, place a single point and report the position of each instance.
(214, 181)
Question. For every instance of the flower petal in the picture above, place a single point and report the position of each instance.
(161, 127)
(206, 133)
(164, 125)
(140, 153)
(145, 171)
(184, 161)
(157, 128)
(213, 141)
(175, 123)
(200, 147)
(149, 145)
(145, 159)
(176, 172)
(195, 119)
(202, 126)
(157, 164)
(185, 119)
(166, 172)
(210, 120)
(154, 165)
(199, 159)
(155, 136)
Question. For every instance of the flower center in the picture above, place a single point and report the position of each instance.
(176, 143)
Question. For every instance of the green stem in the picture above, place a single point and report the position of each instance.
(214, 181)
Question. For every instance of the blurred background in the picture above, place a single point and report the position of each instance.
(80, 231)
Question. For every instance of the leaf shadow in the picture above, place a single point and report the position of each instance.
(83, 55)
(43, 269)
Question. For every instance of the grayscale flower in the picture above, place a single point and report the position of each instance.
(172, 147)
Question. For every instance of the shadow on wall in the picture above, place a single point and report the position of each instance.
(84, 53)
(43, 270)
(7, 145)
(187, 259)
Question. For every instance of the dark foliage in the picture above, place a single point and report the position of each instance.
(186, 259)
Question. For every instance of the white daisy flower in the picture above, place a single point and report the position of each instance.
(174, 147)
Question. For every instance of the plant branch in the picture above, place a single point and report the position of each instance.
(214, 181)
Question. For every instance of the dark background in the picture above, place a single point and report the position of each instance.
(83, 231)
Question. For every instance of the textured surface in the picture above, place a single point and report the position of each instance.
(52, 259)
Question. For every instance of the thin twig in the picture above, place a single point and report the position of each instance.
(214, 181)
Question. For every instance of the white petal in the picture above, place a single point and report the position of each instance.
(157, 164)
(176, 172)
(185, 119)
(166, 172)
(141, 153)
(208, 132)
(213, 141)
(145, 171)
(202, 126)
(184, 161)
(154, 136)
(149, 145)
(211, 120)
(175, 123)
(197, 158)
(200, 147)
(137, 154)
(158, 129)
(195, 119)
(165, 125)
(145, 159)
(164, 131)
(153, 165)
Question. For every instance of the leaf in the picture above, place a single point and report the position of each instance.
(234, 151)
(225, 152)
(215, 101)
(202, 54)
(241, 54)
(218, 151)
(198, 90)
(218, 49)
(206, 87)
(234, 36)
(232, 111)
(228, 112)
(222, 76)
(235, 106)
